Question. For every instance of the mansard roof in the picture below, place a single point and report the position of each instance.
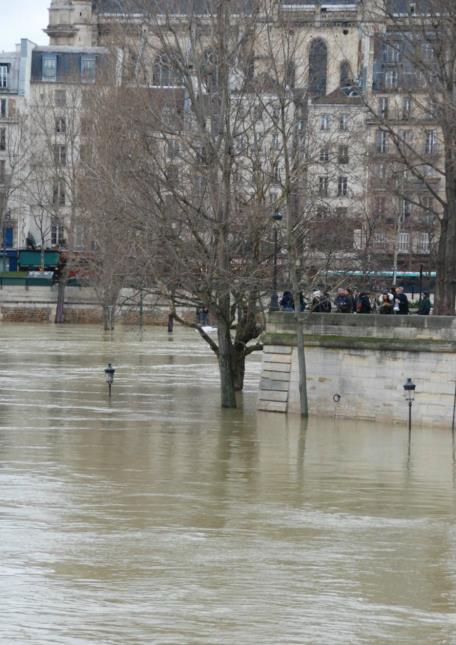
(180, 7)
(200, 7)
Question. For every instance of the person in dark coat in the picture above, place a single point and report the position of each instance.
(425, 306)
(287, 302)
(363, 304)
(343, 302)
(402, 301)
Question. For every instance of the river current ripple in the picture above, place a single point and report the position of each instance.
(158, 518)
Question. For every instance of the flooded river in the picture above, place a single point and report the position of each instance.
(160, 519)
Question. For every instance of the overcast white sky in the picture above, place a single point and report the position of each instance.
(23, 19)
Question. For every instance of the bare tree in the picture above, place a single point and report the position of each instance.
(57, 172)
(184, 187)
(14, 164)
(412, 103)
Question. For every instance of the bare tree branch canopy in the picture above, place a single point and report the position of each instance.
(197, 131)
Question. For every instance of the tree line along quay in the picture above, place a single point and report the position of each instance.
(203, 152)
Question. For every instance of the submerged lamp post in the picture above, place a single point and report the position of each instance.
(409, 391)
(109, 374)
(274, 304)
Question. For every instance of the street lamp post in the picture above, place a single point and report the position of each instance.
(109, 374)
(274, 304)
(409, 391)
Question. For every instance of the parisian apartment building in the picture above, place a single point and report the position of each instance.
(352, 86)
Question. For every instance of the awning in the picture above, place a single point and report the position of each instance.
(33, 259)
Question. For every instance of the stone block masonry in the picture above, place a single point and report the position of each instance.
(38, 304)
(365, 361)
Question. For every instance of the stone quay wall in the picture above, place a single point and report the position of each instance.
(82, 306)
(357, 365)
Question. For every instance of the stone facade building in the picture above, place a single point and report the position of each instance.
(347, 79)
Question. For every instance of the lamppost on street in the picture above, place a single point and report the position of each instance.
(409, 391)
(109, 374)
(274, 304)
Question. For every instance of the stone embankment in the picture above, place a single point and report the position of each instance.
(82, 306)
(357, 365)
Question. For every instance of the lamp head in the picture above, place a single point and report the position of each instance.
(109, 374)
(409, 389)
(277, 216)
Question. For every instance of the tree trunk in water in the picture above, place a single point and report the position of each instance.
(303, 401)
(60, 307)
(108, 317)
(238, 369)
(225, 359)
(446, 262)
(446, 266)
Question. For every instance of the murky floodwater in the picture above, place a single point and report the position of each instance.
(160, 519)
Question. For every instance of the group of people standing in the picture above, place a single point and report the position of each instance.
(347, 301)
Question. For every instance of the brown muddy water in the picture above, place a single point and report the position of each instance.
(160, 519)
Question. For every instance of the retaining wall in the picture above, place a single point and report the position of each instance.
(364, 360)
(38, 304)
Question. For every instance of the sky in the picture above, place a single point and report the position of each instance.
(23, 19)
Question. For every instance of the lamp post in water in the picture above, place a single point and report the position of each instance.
(109, 374)
(409, 391)
(274, 304)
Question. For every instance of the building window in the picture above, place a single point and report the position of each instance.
(427, 204)
(404, 242)
(2, 138)
(60, 98)
(60, 156)
(342, 186)
(324, 154)
(343, 122)
(382, 141)
(173, 149)
(164, 74)
(406, 208)
(324, 122)
(342, 154)
(275, 142)
(430, 142)
(380, 170)
(88, 69)
(383, 105)
(211, 71)
(323, 186)
(2, 170)
(318, 67)
(406, 108)
(392, 53)
(391, 79)
(85, 153)
(57, 233)
(3, 76)
(60, 125)
(379, 239)
(49, 68)
(380, 203)
(3, 112)
(58, 193)
(424, 243)
(358, 238)
(301, 127)
(345, 74)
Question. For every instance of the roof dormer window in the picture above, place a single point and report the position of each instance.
(4, 75)
(49, 68)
